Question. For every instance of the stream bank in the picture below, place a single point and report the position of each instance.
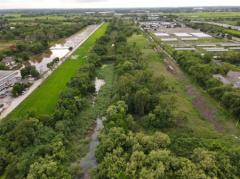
(85, 143)
(89, 161)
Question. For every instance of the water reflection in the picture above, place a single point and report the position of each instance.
(41, 63)
(61, 50)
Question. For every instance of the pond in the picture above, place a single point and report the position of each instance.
(61, 50)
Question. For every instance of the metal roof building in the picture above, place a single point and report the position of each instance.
(8, 78)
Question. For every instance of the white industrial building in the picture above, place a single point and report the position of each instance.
(8, 78)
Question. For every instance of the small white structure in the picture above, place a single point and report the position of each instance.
(215, 49)
(169, 39)
(206, 45)
(159, 34)
(201, 35)
(189, 39)
(230, 44)
(8, 78)
(182, 35)
(185, 49)
(234, 48)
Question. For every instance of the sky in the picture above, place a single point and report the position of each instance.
(15, 4)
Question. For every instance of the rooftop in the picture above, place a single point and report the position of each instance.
(234, 76)
(8, 59)
(201, 34)
(216, 49)
(4, 74)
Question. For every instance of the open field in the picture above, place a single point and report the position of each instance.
(209, 14)
(197, 124)
(6, 44)
(230, 18)
(234, 22)
(44, 99)
(20, 17)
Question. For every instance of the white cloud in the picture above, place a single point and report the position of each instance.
(5, 4)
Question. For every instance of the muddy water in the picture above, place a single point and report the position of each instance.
(89, 161)
(61, 50)
(41, 62)
(98, 84)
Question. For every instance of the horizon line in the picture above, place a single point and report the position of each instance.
(73, 8)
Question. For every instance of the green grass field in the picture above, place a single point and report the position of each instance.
(44, 99)
(235, 33)
(6, 44)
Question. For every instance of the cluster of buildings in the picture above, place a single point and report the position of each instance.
(155, 25)
(183, 38)
(9, 62)
(8, 79)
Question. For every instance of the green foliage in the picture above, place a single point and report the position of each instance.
(132, 144)
(36, 146)
(53, 63)
(2, 66)
(163, 115)
(128, 155)
(30, 71)
(3, 160)
(18, 89)
(232, 32)
(47, 168)
(202, 73)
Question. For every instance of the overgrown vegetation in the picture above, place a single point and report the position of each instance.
(217, 31)
(201, 70)
(37, 146)
(30, 71)
(133, 144)
(18, 88)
